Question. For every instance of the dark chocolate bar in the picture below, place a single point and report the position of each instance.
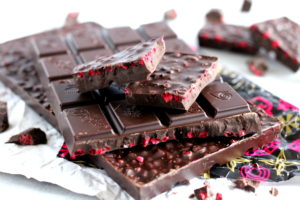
(282, 36)
(225, 36)
(3, 117)
(176, 83)
(147, 172)
(132, 64)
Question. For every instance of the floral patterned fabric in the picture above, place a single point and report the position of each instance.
(276, 161)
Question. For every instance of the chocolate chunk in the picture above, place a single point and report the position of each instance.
(3, 117)
(176, 83)
(214, 16)
(204, 192)
(274, 191)
(248, 185)
(31, 136)
(132, 64)
(246, 5)
(225, 36)
(170, 14)
(282, 36)
(258, 65)
(71, 19)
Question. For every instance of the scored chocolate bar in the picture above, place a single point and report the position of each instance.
(282, 36)
(226, 36)
(132, 64)
(98, 121)
(147, 172)
(176, 83)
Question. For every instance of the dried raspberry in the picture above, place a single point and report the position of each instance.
(219, 196)
(124, 67)
(131, 145)
(228, 134)
(26, 139)
(155, 140)
(242, 133)
(141, 62)
(205, 36)
(91, 72)
(146, 142)
(167, 97)
(218, 38)
(253, 27)
(243, 44)
(100, 151)
(275, 44)
(140, 159)
(203, 196)
(79, 152)
(80, 74)
(92, 152)
(176, 98)
(203, 134)
(266, 35)
(166, 138)
(190, 134)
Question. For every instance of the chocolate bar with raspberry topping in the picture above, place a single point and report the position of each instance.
(280, 36)
(145, 172)
(176, 83)
(129, 65)
(225, 36)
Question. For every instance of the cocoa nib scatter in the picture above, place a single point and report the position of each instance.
(31, 136)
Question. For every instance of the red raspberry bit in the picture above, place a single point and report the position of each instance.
(141, 62)
(243, 44)
(203, 134)
(242, 133)
(100, 151)
(126, 91)
(205, 36)
(110, 69)
(286, 54)
(266, 35)
(176, 98)
(124, 67)
(236, 134)
(92, 152)
(219, 196)
(131, 145)
(203, 195)
(253, 27)
(228, 134)
(97, 72)
(91, 72)
(190, 134)
(140, 159)
(167, 97)
(26, 139)
(80, 74)
(294, 60)
(146, 142)
(155, 140)
(188, 153)
(166, 138)
(107, 148)
(218, 38)
(275, 44)
(154, 50)
(79, 152)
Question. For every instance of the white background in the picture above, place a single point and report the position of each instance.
(21, 18)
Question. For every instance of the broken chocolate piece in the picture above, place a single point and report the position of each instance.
(176, 83)
(248, 185)
(204, 192)
(170, 14)
(3, 117)
(214, 16)
(132, 64)
(31, 136)
(71, 19)
(274, 191)
(258, 65)
(246, 5)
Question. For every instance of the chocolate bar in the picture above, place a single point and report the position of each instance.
(176, 83)
(225, 36)
(129, 65)
(147, 172)
(281, 36)
(3, 117)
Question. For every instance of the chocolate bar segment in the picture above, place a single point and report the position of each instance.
(147, 172)
(132, 64)
(176, 83)
(3, 117)
(123, 36)
(281, 36)
(49, 45)
(225, 36)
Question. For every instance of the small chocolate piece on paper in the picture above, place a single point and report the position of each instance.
(170, 14)
(132, 64)
(248, 185)
(214, 16)
(3, 117)
(274, 191)
(258, 65)
(31, 136)
(246, 6)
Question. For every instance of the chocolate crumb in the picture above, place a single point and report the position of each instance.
(204, 192)
(246, 5)
(248, 185)
(258, 65)
(71, 19)
(170, 15)
(192, 196)
(31, 136)
(185, 182)
(274, 191)
(3, 117)
(214, 16)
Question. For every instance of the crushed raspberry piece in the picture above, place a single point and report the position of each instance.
(79, 152)
(228, 134)
(187, 153)
(253, 27)
(100, 151)
(91, 72)
(166, 138)
(140, 159)
(203, 195)
(275, 44)
(294, 60)
(131, 145)
(176, 98)
(242, 133)
(155, 140)
(124, 67)
(190, 134)
(243, 44)
(146, 142)
(141, 62)
(26, 139)
(92, 152)
(203, 134)
(80, 74)
(266, 35)
(286, 54)
(205, 36)
(97, 72)
(107, 148)
(126, 91)
(219, 196)
(167, 97)
(154, 50)
(218, 38)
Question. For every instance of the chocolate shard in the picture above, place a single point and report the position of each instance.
(31, 136)
(204, 192)
(225, 36)
(3, 116)
(148, 171)
(282, 36)
(246, 5)
(176, 83)
(258, 65)
(132, 64)
(214, 16)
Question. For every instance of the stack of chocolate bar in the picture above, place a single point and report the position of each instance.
(150, 119)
